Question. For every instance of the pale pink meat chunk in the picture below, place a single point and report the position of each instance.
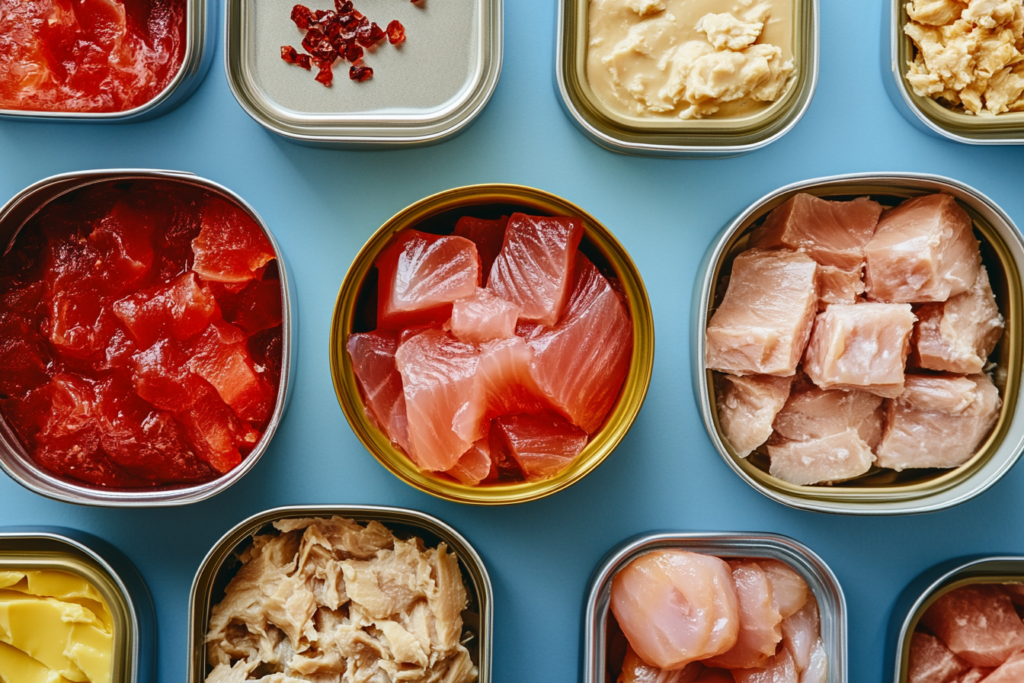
(542, 445)
(817, 667)
(747, 406)
(765, 319)
(923, 250)
(832, 458)
(789, 590)
(373, 361)
(932, 662)
(812, 413)
(715, 676)
(760, 621)
(978, 623)
(676, 607)
(978, 674)
(636, 670)
(838, 286)
(957, 335)
(483, 317)
(801, 631)
(779, 669)
(474, 465)
(939, 421)
(535, 266)
(863, 347)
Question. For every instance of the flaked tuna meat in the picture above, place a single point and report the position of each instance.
(779, 669)
(923, 250)
(789, 590)
(812, 413)
(978, 623)
(932, 662)
(636, 670)
(765, 319)
(483, 317)
(938, 421)
(838, 286)
(760, 621)
(833, 458)
(373, 361)
(542, 445)
(535, 267)
(474, 465)
(801, 633)
(959, 334)
(862, 347)
(747, 406)
(487, 235)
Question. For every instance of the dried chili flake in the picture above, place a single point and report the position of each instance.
(343, 6)
(319, 46)
(360, 73)
(368, 36)
(396, 32)
(289, 54)
(354, 53)
(302, 16)
(326, 73)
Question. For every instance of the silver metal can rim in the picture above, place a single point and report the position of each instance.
(35, 479)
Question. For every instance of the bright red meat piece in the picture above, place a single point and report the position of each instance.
(215, 433)
(932, 662)
(231, 247)
(161, 375)
(543, 445)
(266, 350)
(24, 357)
(487, 235)
(373, 361)
(221, 357)
(255, 308)
(181, 309)
(474, 465)
(123, 240)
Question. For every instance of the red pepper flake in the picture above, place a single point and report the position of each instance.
(289, 54)
(303, 61)
(354, 53)
(396, 32)
(302, 17)
(343, 6)
(360, 73)
(326, 74)
(368, 36)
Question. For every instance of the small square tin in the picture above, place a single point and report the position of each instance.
(424, 90)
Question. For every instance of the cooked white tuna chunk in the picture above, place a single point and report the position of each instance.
(812, 413)
(747, 406)
(815, 461)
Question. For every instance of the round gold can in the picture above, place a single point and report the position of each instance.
(433, 214)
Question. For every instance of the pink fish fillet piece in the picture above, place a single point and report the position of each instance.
(837, 286)
(483, 317)
(636, 670)
(779, 669)
(765, 319)
(543, 445)
(812, 413)
(1010, 671)
(747, 406)
(760, 620)
(801, 632)
(789, 590)
(373, 361)
(978, 674)
(487, 235)
(932, 662)
(978, 623)
(474, 465)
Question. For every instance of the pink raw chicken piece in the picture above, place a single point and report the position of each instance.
(747, 406)
(932, 662)
(833, 458)
(483, 317)
(535, 267)
(978, 623)
(789, 590)
(938, 421)
(863, 347)
(542, 445)
(801, 632)
(779, 669)
(231, 247)
(811, 413)
(1011, 671)
(474, 465)
(636, 670)
(923, 250)
(765, 319)
(837, 286)
(760, 621)
(373, 361)
(817, 667)
(676, 607)
(581, 363)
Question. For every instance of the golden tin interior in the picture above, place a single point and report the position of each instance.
(881, 485)
(598, 243)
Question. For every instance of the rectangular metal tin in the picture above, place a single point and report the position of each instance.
(218, 567)
(687, 139)
(908, 492)
(424, 90)
(822, 582)
(13, 458)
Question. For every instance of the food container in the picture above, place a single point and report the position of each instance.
(221, 563)
(926, 114)
(915, 600)
(884, 492)
(13, 458)
(678, 138)
(201, 28)
(423, 91)
(820, 579)
(437, 213)
(110, 573)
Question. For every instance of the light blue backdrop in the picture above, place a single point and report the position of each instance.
(322, 205)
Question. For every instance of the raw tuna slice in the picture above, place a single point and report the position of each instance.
(833, 233)
(779, 669)
(939, 421)
(581, 363)
(123, 239)
(160, 375)
(24, 357)
(483, 317)
(789, 590)
(221, 357)
(420, 275)
(760, 621)
(817, 667)
(474, 465)
(182, 308)
(676, 607)
(932, 662)
(957, 336)
(636, 670)
(763, 324)
(216, 435)
(543, 445)
(488, 236)
(978, 674)
(535, 267)
(837, 286)
(801, 632)
(811, 413)
(255, 308)
(923, 250)
(438, 379)
(815, 461)
(978, 623)
(860, 347)
(230, 246)
(747, 406)
(373, 361)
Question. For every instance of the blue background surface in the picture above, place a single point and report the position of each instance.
(322, 205)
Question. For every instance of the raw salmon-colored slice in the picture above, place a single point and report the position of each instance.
(543, 445)
(474, 465)
(812, 413)
(636, 670)
(863, 347)
(789, 590)
(817, 667)
(923, 250)
(765, 319)
(801, 631)
(978, 674)
(932, 662)
(581, 363)
(420, 275)
(978, 623)
(535, 267)
(779, 669)
(487, 235)
(483, 317)
(958, 335)
(833, 233)
(676, 607)
(373, 361)
(759, 620)
(939, 421)
(838, 286)
(747, 406)
(832, 458)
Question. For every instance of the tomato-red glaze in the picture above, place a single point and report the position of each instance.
(88, 55)
(140, 335)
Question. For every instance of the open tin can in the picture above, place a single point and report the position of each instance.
(438, 214)
(675, 137)
(424, 90)
(597, 628)
(15, 460)
(221, 564)
(881, 492)
(126, 595)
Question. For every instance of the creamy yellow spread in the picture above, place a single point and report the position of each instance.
(689, 58)
(969, 53)
(55, 627)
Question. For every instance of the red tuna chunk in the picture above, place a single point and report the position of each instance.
(474, 465)
(932, 662)
(488, 236)
(182, 308)
(483, 317)
(230, 247)
(221, 357)
(373, 361)
(161, 376)
(535, 267)
(747, 406)
(255, 308)
(215, 433)
(543, 445)
(420, 275)
(24, 357)
(978, 623)
(1010, 671)
(124, 240)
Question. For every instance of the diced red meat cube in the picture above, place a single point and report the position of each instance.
(161, 376)
(230, 247)
(932, 662)
(487, 235)
(543, 445)
(474, 465)
(221, 357)
(123, 240)
(255, 308)
(181, 308)
(373, 361)
(215, 433)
